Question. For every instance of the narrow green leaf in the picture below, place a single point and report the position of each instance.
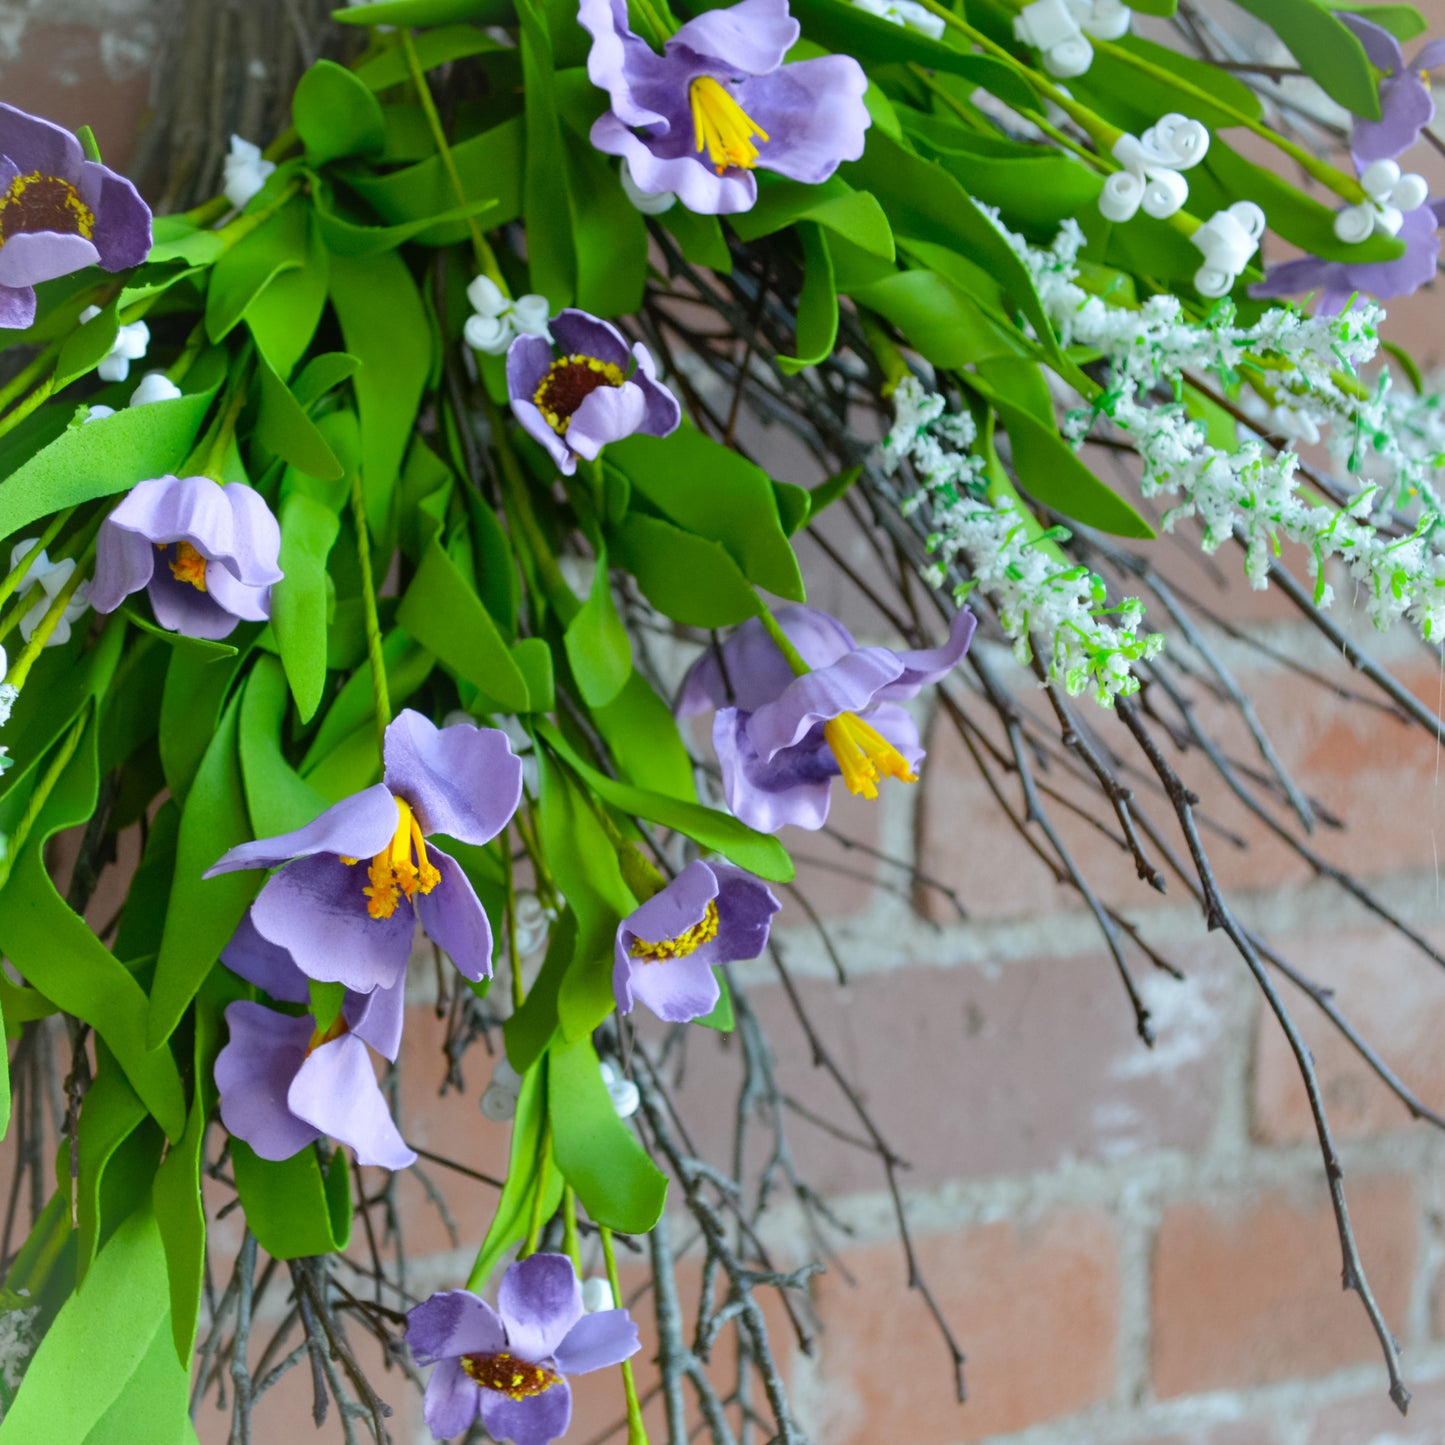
(278, 799)
(686, 577)
(290, 1207)
(278, 244)
(817, 328)
(641, 734)
(546, 190)
(428, 12)
(283, 427)
(284, 314)
(336, 114)
(299, 600)
(599, 650)
(110, 1113)
(1329, 51)
(87, 347)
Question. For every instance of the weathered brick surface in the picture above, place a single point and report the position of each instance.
(1236, 1432)
(1035, 1305)
(1246, 1289)
(1372, 1419)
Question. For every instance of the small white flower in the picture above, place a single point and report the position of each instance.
(96, 411)
(904, 12)
(1060, 31)
(154, 386)
(244, 172)
(8, 694)
(130, 345)
(498, 318)
(1227, 240)
(597, 1295)
(624, 1093)
(1390, 194)
(1152, 164)
(650, 203)
(49, 577)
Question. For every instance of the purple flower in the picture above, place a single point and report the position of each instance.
(1406, 106)
(1338, 281)
(59, 213)
(344, 919)
(782, 739)
(719, 101)
(581, 400)
(285, 1082)
(509, 1364)
(216, 546)
(710, 913)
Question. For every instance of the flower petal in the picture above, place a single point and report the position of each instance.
(267, 965)
(451, 1402)
(336, 1090)
(181, 608)
(17, 308)
(751, 37)
(254, 1072)
(315, 908)
(924, 666)
(454, 1322)
(539, 429)
(848, 685)
(619, 62)
(1406, 108)
(676, 908)
(377, 1017)
(357, 827)
(814, 113)
(237, 599)
(606, 415)
(463, 781)
(30, 257)
(122, 232)
(455, 920)
(256, 537)
(539, 1300)
(1382, 47)
(1290, 278)
(695, 184)
(124, 562)
(39, 145)
(675, 989)
(745, 907)
(795, 788)
(663, 414)
(598, 1340)
(581, 332)
(534, 1420)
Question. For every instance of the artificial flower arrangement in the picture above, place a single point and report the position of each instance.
(347, 607)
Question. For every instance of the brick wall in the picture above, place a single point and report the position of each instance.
(1133, 1246)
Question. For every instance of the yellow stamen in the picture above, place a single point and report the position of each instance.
(686, 942)
(509, 1376)
(188, 565)
(401, 869)
(864, 755)
(724, 129)
(38, 202)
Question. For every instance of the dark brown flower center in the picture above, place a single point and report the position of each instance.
(44, 203)
(509, 1376)
(568, 383)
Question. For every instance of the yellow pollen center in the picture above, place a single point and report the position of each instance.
(509, 1376)
(38, 202)
(568, 383)
(401, 869)
(187, 565)
(689, 941)
(724, 129)
(864, 755)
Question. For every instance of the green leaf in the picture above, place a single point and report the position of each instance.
(278, 244)
(291, 1208)
(284, 315)
(347, 238)
(719, 495)
(1404, 22)
(444, 614)
(817, 305)
(204, 913)
(853, 214)
(173, 238)
(700, 237)
(599, 650)
(99, 458)
(86, 347)
(336, 114)
(278, 798)
(937, 319)
(617, 1184)
(534, 661)
(56, 951)
(283, 427)
(686, 577)
(721, 1015)
(407, 666)
(196, 685)
(827, 492)
(641, 734)
(528, 1030)
(1327, 49)
(433, 48)
(110, 1114)
(546, 192)
(428, 12)
(759, 853)
(1193, 87)
(298, 601)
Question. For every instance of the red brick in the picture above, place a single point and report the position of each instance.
(1034, 1306)
(1372, 1419)
(1035, 1063)
(1393, 995)
(1246, 1290)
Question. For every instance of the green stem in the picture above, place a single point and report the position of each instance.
(235, 231)
(662, 31)
(22, 409)
(47, 625)
(636, 1430)
(534, 1227)
(486, 259)
(381, 696)
(512, 921)
(41, 795)
(22, 379)
(224, 434)
(21, 570)
(571, 1239)
(785, 646)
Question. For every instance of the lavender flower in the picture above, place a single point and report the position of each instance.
(217, 547)
(576, 404)
(782, 739)
(285, 1082)
(1406, 106)
(717, 90)
(59, 213)
(710, 913)
(347, 922)
(509, 1364)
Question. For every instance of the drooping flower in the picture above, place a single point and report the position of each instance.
(59, 213)
(907, 13)
(131, 342)
(1406, 105)
(1338, 281)
(719, 101)
(206, 553)
(782, 739)
(510, 1364)
(356, 880)
(496, 318)
(577, 401)
(154, 386)
(665, 950)
(284, 1082)
(50, 577)
(243, 172)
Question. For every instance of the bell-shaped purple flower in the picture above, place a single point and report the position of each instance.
(206, 553)
(1338, 281)
(782, 739)
(59, 213)
(719, 101)
(358, 878)
(284, 1082)
(1406, 105)
(574, 394)
(510, 1364)
(665, 950)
